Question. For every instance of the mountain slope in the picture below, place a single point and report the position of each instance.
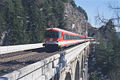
(24, 21)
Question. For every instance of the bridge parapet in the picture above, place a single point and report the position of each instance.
(16, 48)
(48, 68)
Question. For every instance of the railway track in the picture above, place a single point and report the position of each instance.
(13, 61)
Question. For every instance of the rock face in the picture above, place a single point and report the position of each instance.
(75, 20)
(3, 37)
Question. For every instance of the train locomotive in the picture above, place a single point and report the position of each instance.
(56, 38)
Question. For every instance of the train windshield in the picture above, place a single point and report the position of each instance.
(52, 34)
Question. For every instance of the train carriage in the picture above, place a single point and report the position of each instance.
(56, 38)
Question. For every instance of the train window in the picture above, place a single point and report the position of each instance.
(73, 37)
(52, 34)
(70, 37)
(64, 36)
(76, 37)
(67, 37)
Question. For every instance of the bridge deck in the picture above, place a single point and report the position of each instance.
(48, 66)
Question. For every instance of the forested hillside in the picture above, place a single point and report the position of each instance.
(24, 21)
(107, 53)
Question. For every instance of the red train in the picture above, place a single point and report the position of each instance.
(56, 38)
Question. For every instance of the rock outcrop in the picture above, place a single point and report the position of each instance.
(75, 20)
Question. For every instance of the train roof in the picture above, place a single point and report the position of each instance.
(61, 30)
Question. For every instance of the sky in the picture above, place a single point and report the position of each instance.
(93, 7)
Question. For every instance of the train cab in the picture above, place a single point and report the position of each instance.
(51, 38)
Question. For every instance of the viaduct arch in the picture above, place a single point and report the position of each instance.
(75, 70)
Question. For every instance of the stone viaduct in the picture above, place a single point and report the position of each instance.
(71, 64)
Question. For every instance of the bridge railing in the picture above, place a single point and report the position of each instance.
(16, 48)
(47, 68)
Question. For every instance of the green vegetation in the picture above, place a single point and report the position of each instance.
(26, 20)
(73, 4)
(108, 52)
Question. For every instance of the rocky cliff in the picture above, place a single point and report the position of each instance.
(75, 20)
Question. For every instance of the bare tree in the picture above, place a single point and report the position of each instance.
(116, 19)
(101, 19)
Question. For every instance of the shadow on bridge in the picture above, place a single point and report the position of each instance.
(68, 76)
(52, 50)
(41, 50)
(77, 71)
